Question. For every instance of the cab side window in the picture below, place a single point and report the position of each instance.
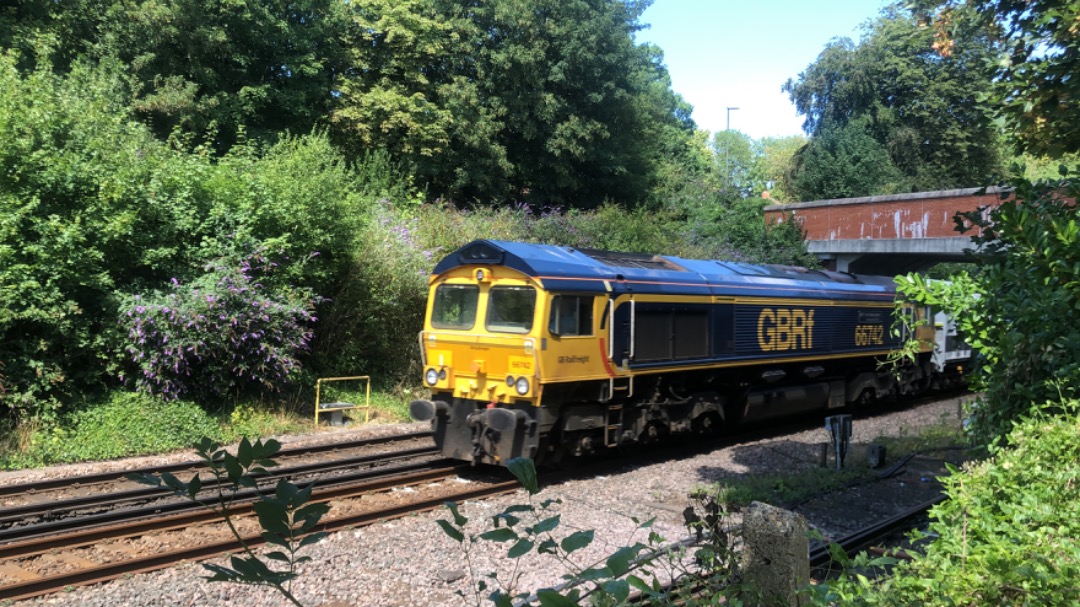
(571, 315)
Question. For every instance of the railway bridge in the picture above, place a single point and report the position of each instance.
(890, 234)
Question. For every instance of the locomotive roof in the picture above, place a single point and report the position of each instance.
(567, 268)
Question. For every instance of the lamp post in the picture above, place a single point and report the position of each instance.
(729, 117)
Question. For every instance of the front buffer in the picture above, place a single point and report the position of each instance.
(479, 432)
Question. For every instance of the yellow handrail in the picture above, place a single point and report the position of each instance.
(367, 397)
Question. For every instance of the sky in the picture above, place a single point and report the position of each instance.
(738, 53)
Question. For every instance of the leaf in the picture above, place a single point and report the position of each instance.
(502, 534)
(459, 519)
(594, 574)
(311, 514)
(619, 561)
(509, 519)
(524, 470)
(450, 530)
(272, 516)
(551, 598)
(577, 540)
(276, 539)
(194, 486)
(174, 483)
(618, 589)
(144, 479)
(546, 525)
(499, 598)
(232, 468)
(639, 584)
(244, 453)
(221, 574)
(278, 556)
(521, 548)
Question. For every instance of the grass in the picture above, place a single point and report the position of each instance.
(129, 424)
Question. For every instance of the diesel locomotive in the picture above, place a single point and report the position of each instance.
(546, 352)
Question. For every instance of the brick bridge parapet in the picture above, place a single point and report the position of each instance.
(890, 233)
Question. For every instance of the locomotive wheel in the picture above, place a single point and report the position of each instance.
(708, 424)
(866, 397)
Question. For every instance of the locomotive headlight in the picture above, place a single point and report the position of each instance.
(522, 386)
(431, 377)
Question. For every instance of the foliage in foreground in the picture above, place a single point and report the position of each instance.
(287, 516)
(1006, 535)
(659, 572)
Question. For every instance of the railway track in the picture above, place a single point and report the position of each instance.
(88, 480)
(821, 557)
(62, 513)
(101, 552)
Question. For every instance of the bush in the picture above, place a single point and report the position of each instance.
(1005, 536)
(93, 209)
(223, 335)
(1011, 312)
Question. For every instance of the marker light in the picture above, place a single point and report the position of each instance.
(432, 377)
(522, 386)
(509, 380)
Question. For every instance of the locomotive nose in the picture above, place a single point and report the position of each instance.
(423, 410)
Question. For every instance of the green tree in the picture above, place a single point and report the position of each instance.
(93, 208)
(843, 162)
(540, 100)
(733, 159)
(771, 170)
(920, 107)
(225, 69)
(398, 94)
(264, 66)
(1034, 86)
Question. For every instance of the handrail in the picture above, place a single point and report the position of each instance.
(343, 406)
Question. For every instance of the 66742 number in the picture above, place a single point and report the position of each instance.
(869, 335)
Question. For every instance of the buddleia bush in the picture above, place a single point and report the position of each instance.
(223, 335)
